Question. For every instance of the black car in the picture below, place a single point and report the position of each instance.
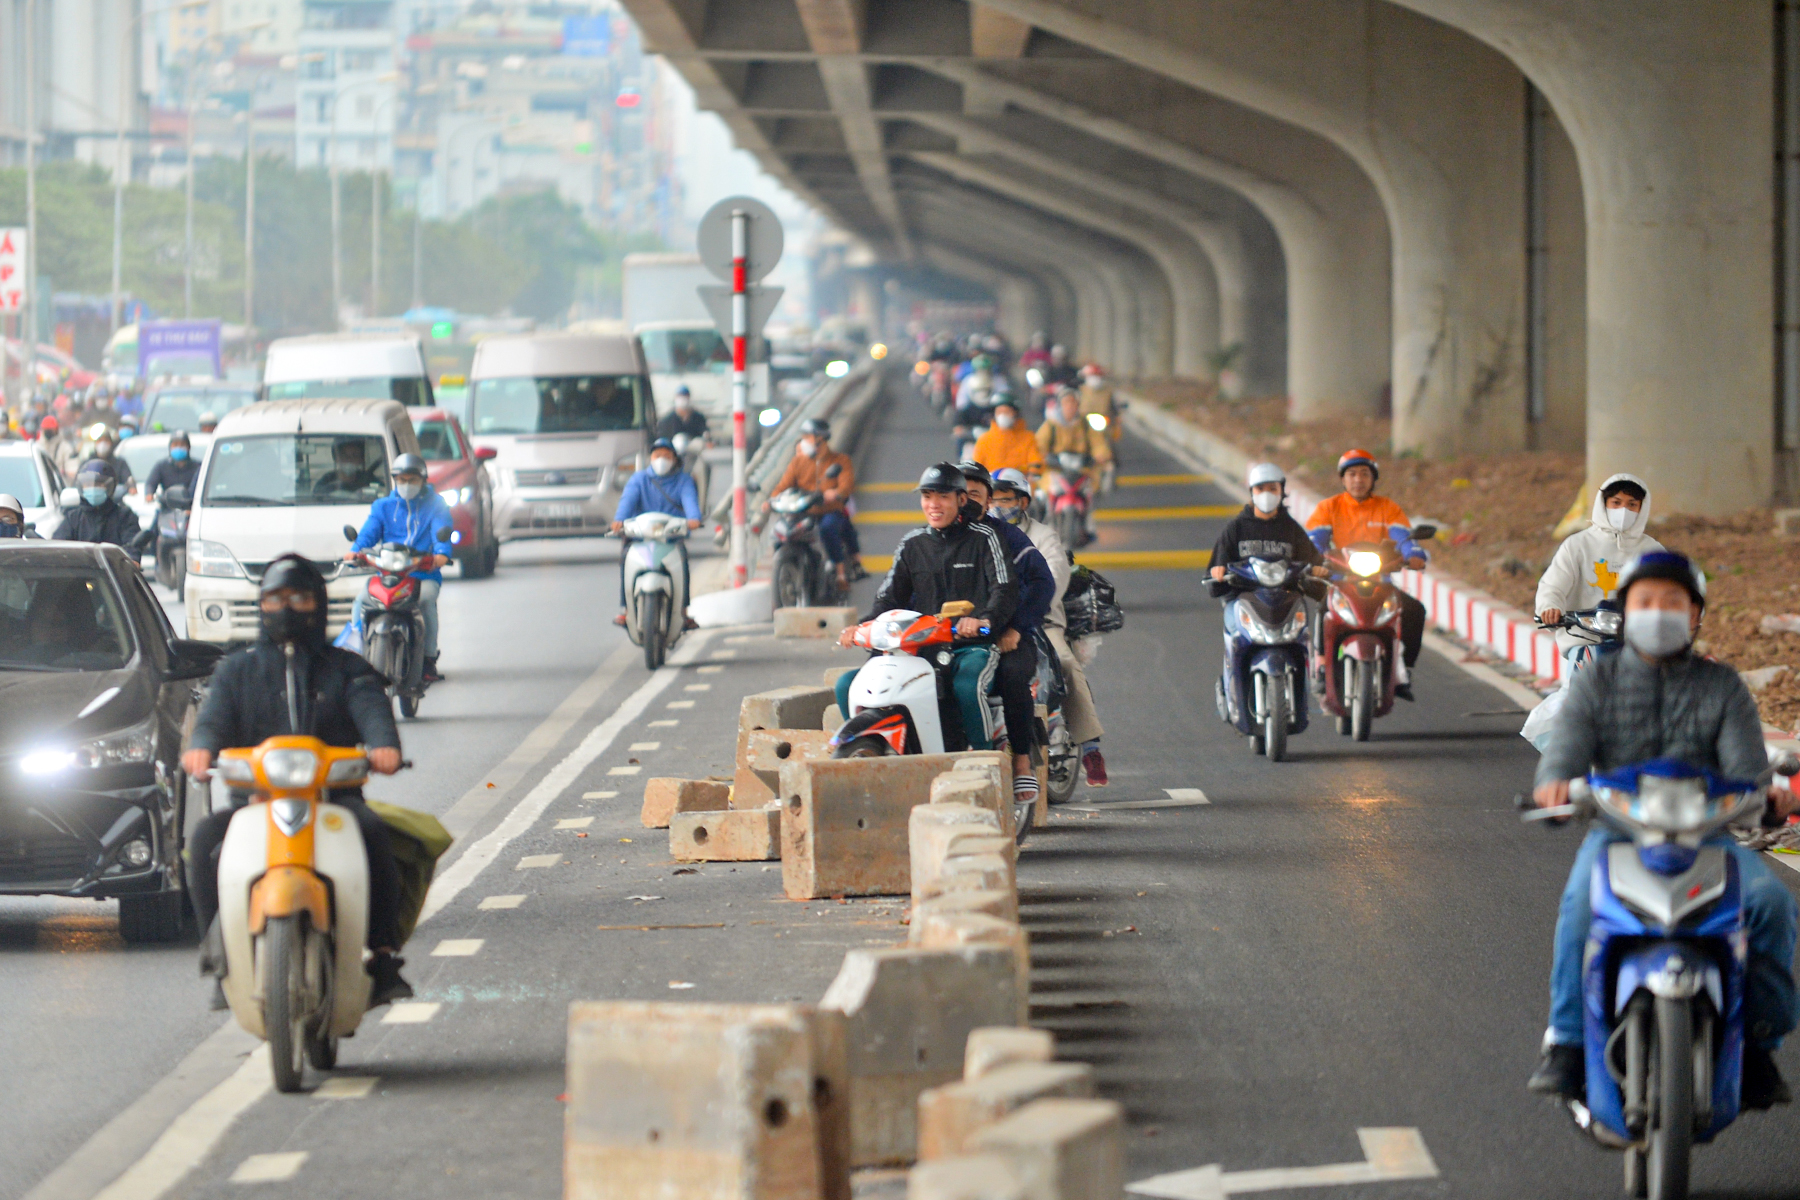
(95, 694)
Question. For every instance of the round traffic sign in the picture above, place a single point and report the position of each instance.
(763, 238)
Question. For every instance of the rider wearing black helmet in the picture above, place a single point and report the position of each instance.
(100, 517)
(293, 681)
(808, 470)
(412, 514)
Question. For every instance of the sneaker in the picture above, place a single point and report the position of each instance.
(218, 1003)
(431, 674)
(388, 986)
(1563, 1072)
(1763, 1086)
(1095, 766)
(619, 620)
(1403, 690)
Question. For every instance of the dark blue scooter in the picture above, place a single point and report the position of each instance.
(1664, 973)
(1262, 689)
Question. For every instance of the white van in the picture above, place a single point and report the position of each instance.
(336, 366)
(692, 354)
(286, 476)
(569, 418)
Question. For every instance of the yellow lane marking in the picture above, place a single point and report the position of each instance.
(1176, 512)
(1118, 560)
(1153, 480)
(886, 487)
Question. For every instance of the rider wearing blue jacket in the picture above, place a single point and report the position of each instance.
(411, 515)
(664, 488)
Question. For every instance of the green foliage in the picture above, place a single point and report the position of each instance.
(526, 254)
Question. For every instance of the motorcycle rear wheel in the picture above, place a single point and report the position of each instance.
(409, 706)
(1275, 723)
(1672, 1134)
(1070, 527)
(283, 1024)
(1362, 698)
(650, 623)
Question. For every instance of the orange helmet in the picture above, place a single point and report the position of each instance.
(1091, 371)
(1358, 458)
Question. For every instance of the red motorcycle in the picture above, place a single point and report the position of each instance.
(1360, 633)
(1069, 497)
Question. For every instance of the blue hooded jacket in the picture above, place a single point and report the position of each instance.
(412, 522)
(647, 492)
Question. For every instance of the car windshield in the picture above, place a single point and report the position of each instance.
(181, 408)
(413, 392)
(19, 477)
(437, 441)
(679, 351)
(559, 404)
(60, 618)
(282, 469)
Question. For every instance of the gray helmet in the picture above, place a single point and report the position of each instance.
(409, 464)
(814, 427)
(942, 477)
(974, 472)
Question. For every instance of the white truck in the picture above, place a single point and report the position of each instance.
(681, 344)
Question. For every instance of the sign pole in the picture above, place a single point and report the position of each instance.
(740, 240)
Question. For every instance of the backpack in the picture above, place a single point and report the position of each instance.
(1091, 604)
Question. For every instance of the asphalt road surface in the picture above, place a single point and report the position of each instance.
(1355, 938)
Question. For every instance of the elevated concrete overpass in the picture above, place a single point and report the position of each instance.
(1510, 223)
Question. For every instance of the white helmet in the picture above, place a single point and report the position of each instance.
(1266, 472)
(8, 501)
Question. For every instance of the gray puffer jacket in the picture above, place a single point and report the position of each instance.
(1622, 709)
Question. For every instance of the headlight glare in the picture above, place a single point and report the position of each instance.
(1365, 563)
(290, 768)
(46, 762)
(1097, 422)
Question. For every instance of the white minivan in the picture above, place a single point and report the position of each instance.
(286, 476)
(569, 418)
(341, 365)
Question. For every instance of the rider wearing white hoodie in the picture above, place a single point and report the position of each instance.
(1588, 564)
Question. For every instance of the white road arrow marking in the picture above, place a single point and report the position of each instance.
(1391, 1153)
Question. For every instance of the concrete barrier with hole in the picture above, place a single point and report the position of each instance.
(704, 1102)
(738, 835)
(977, 786)
(1002, 905)
(909, 1013)
(1064, 1149)
(844, 822)
(813, 622)
(929, 828)
(761, 753)
(940, 931)
(950, 1115)
(797, 707)
(664, 797)
(1002, 1046)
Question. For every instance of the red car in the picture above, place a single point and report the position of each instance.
(455, 466)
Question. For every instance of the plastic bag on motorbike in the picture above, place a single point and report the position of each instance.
(1541, 720)
(1091, 604)
(351, 637)
(419, 840)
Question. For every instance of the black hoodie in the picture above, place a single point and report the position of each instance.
(961, 562)
(1250, 536)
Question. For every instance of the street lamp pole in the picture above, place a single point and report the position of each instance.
(31, 280)
(250, 217)
(337, 217)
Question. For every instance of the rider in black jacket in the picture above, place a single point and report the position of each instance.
(294, 681)
(100, 517)
(949, 559)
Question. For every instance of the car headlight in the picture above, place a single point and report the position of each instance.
(134, 745)
(290, 768)
(213, 559)
(768, 418)
(448, 495)
(1365, 563)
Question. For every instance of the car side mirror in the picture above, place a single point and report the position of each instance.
(350, 533)
(486, 454)
(189, 659)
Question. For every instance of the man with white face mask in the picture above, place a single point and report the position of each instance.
(1586, 568)
(412, 514)
(816, 467)
(1656, 699)
(1265, 529)
(664, 488)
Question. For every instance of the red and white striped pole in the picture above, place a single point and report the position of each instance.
(740, 320)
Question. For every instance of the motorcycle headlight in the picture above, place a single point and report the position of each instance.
(1340, 606)
(1605, 622)
(1671, 805)
(1390, 608)
(1269, 572)
(1097, 422)
(213, 559)
(290, 768)
(1365, 563)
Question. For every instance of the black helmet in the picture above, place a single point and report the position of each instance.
(1665, 564)
(974, 472)
(409, 464)
(814, 427)
(663, 444)
(292, 572)
(97, 472)
(942, 477)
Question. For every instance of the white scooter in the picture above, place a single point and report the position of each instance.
(656, 584)
(294, 902)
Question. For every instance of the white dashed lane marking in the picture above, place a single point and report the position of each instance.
(669, 724)
(491, 902)
(698, 687)
(346, 1087)
(269, 1168)
(457, 948)
(646, 746)
(575, 822)
(623, 770)
(680, 704)
(413, 1012)
(598, 795)
(709, 670)
(532, 862)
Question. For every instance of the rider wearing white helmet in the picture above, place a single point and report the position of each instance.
(12, 519)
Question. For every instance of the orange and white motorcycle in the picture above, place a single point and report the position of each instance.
(294, 902)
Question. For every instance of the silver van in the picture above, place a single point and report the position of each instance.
(569, 417)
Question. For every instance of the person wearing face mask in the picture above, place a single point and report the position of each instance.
(1008, 443)
(1586, 568)
(179, 469)
(684, 419)
(105, 447)
(808, 471)
(1066, 431)
(1656, 698)
(12, 519)
(664, 488)
(294, 681)
(100, 517)
(1265, 528)
(412, 514)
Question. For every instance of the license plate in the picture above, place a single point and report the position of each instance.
(556, 512)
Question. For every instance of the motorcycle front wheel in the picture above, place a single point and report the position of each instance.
(1672, 1135)
(283, 1022)
(866, 746)
(1362, 698)
(650, 623)
(790, 580)
(1275, 724)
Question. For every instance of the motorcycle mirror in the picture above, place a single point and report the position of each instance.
(1788, 764)
(349, 533)
(486, 454)
(956, 608)
(443, 535)
(70, 498)
(834, 470)
(177, 496)
(1424, 532)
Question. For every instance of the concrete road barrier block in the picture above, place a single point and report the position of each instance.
(1000, 904)
(1001, 1046)
(976, 788)
(766, 751)
(831, 1097)
(693, 1102)
(930, 826)
(909, 1013)
(1067, 1149)
(798, 707)
(664, 797)
(833, 720)
(812, 622)
(844, 823)
(979, 873)
(738, 835)
(751, 604)
(970, 1177)
(942, 931)
(950, 1115)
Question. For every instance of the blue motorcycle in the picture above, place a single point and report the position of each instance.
(1664, 974)
(1262, 690)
